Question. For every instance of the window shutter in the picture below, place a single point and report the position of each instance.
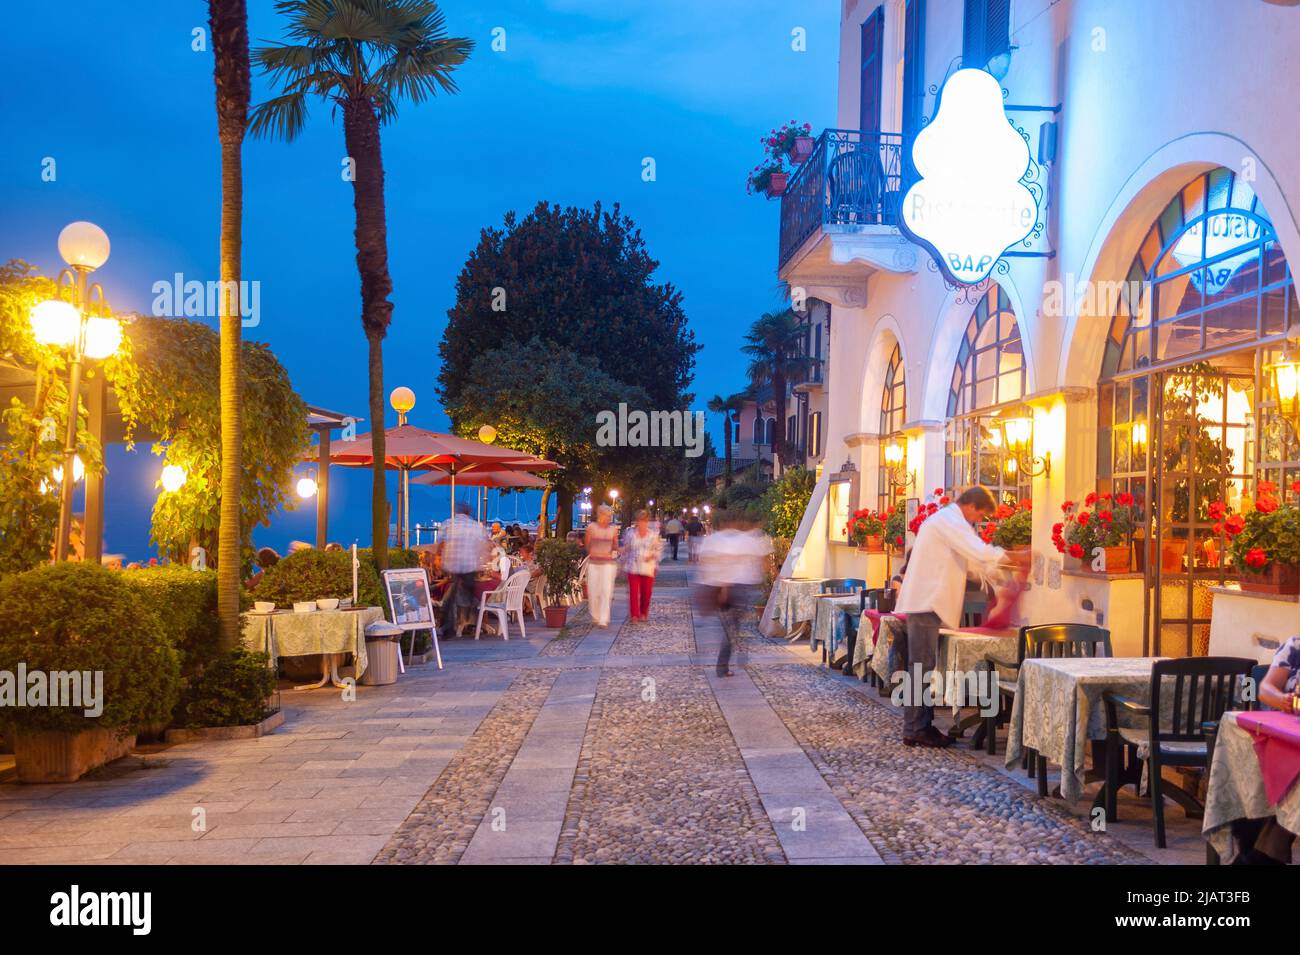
(873, 39)
(972, 35)
(997, 28)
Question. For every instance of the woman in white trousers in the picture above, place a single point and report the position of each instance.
(602, 564)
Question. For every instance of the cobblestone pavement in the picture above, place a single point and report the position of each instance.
(592, 745)
(440, 827)
(923, 805)
(660, 779)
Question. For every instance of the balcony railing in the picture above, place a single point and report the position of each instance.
(853, 177)
(809, 374)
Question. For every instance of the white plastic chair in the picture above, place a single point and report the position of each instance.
(504, 601)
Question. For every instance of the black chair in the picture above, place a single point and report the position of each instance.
(856, 185)
(1048, 640)
(1257, 674)
(836, 587)
(1201, 689)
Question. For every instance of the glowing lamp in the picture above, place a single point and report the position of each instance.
(78, 470)
(173, 478)
(103, 337)
(306, 487)
(1139, 436)
(1017, 433)
(83, 245)
(55, 322)
(402, 399)
(613, 494)
(1286, 384)
(487, 434)
(1017, 427)
(894, 454)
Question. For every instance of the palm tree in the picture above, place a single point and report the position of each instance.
(228, 24)
(725, 407)
(773, 345)
(365, 57)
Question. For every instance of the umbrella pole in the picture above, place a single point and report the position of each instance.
(406, 507)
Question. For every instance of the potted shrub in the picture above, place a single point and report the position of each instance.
(791, 140)
(768, 177)
(1266, 542)
(77, 618)
(1013, 527)
(560, 561)
(1108, 527)
(866, 530)
(234, 698)
(895, 527)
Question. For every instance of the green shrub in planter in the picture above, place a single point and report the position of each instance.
(186, 603)
(560, 561)
(232, 691)
(77, 616)
(311, 574)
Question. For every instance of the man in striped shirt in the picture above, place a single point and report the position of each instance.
(464, 551)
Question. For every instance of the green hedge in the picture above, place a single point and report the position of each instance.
(232, 691)
(82, 617)
(311, 574)
(186, 604)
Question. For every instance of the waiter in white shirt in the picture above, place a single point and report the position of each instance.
(947, 550)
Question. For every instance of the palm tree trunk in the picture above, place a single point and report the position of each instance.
(726, 450)
(361, 133)
(228, 22)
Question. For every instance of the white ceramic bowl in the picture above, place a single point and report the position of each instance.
(304, 606)
(330, 603)
(263, 606)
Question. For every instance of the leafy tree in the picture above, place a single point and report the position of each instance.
(228, 22)
(364, 57)
(786, 500)
(178, 395)
(772, 345)
(580, 278)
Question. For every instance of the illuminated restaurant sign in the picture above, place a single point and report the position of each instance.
(969, 206)
(1223, 232)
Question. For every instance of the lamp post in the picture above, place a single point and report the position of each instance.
(403, 400)
(85, 247)
(613, 502)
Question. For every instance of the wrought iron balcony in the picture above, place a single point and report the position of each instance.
(853, 178)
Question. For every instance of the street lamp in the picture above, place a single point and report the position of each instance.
(173, 478)
(307, 487)
(896, 472)
(1017, 427)
(69, 325)
(1286, 385)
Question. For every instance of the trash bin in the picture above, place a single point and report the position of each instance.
(383, 644)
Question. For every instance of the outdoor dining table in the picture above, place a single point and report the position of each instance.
(285, 633)
(829, 621)
(961, 653)
(1253, 775)
(1058, 709)
(795, 601)
(879, 636)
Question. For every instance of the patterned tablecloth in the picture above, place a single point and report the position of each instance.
(1058, 709)
(960, 654)
(828, 620)
(795, 600)
(289, 634)
(882, 645)
(1236, 789)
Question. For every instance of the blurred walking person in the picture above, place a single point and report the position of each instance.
(733, 562)
(694, 537)
(673, 531)
(601, 541)
(463, 553)
(642, 550)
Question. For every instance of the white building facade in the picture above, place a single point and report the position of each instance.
(1165, 166)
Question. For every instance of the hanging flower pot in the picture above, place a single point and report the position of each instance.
(776, 184)
(801, 149)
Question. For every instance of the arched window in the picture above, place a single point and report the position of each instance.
(1186, 414)
(760, 431)
(893, 412)
(989, 374)
(770, 436)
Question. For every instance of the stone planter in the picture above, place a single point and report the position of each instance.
(1276, 579)
(197, 733)
(58, 756)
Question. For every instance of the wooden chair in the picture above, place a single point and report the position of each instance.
(1051, 641)
(1203, 687)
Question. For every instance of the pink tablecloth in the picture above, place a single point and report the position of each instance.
(1277, 746)
(874, 616)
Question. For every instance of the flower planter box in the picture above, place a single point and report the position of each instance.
(57, 756)
(199, 733)
(1277, 579)
(555, 616)
(802, 149)
(1119, 560)
(873, 545)
(776, 184)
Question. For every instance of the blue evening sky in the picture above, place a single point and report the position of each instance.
(583, 92)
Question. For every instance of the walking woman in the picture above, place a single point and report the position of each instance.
(602, 564)
(642, 548)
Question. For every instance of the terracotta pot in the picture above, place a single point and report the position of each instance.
(776, 184)
(58, 756)
(555, 616)
(1171, 554)
(802, 148)
(1119, 560)
(1276, 579)
(874, 544)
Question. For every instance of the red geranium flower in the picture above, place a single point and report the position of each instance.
(1266, 487)
(1295, 487)
(1083, 517)
(1067, 506)
(1217, 509)
(1058, 528)
(1234, 524)
(1124, 500)
(1256, 557)
(1218, 527)
(1076, 550)
(899, 540)
(1266, 504)
(1091, 499)
(1105, 516)
(945, 500)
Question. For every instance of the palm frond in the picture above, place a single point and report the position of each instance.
(281, 117)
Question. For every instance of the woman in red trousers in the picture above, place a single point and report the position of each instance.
(641, 551)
